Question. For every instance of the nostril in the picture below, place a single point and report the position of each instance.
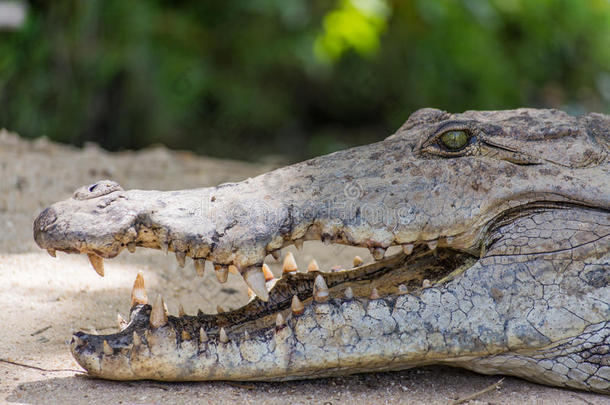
(98, 189)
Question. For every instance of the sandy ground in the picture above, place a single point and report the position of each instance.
(44, 300)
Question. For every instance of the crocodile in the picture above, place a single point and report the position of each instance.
(502, 225)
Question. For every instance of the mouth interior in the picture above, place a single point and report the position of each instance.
(390, 277)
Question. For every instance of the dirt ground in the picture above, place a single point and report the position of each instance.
(44, 300)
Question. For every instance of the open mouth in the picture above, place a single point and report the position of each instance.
(415, 268)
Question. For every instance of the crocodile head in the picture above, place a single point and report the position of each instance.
(504, 222)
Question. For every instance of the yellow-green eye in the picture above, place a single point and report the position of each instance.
(454, 140)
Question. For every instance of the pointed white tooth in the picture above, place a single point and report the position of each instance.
(222, 273)
(432, 244)
(164, 246)
(377, 252)
(313, 265)
(402, 289)
(358, 261)
(199, 266)
(185, 335)
(426, 283)
(78, 341)
(203, 337)
(97, 263)
(320, 289)
(131, 246)
(250, 294)
(290, 264)
(277, 254)
(158, 314)
(407, 248)
(222, 336)
(138, 292)
(349, 293)
(51, 252)
(233, 269)
(246, 335)
(267, 272)
(255, 279)
(121, 321)
(298, 243)
(297, 306)
(374, 294)
(181, 312)
(136, 339)
(107, 349)
(449, 240)
(180, 258)
(219, 309)
(279, 320)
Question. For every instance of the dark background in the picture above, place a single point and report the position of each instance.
(248, 79)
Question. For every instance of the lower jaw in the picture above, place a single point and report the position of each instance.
(348, 330)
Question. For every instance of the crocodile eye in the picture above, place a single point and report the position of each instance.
(454, 140)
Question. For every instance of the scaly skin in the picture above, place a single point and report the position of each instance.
(505, 266)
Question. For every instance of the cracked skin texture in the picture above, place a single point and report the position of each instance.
(505, 268)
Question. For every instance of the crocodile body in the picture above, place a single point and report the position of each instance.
(504, 222)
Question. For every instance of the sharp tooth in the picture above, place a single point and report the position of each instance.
(279, 321)
(180, 258)
(326, 240)
(358, 261)
(290, 264)
(219, 309)
(377, 252)
(298, 243)
(402, 289)
(97, 263)
(222, 337)
(374, 294)
(349, 293)
(313, 265)
(250, 294)
(277, 255)
(78, 341)
(138, 292)
(255, 279)
(222, 273)
(51, 252)
(107, 349)
(131, 246)
(233, 270)
(432, 244)
(158, 314)
(297, 306)
(181, 310)
(199, 266)
(449, 240)
(320, 289)
(136, 339)
(267, 272)
(426, 283)
(407, 248)
(203, 337)
(121, 321)
(246, 335)
(164, 246)
(185, 335)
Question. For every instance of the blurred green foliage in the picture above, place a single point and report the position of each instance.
(249, 78)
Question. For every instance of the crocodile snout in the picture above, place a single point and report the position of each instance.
(45, 219)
